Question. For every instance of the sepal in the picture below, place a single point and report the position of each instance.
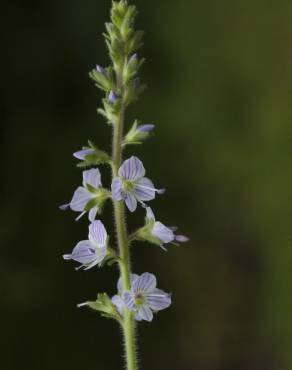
(101, 195)
(104, 305)
(95, 158)
(131, 68)
(110, 258)
(137, 134)
(103, 78)
(110, 110)
(144, 234)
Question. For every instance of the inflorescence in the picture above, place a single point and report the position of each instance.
(137, 295)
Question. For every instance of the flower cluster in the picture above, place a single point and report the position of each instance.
(138, 297)
(133, 188)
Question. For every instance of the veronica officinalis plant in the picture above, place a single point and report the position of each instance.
(137, 298)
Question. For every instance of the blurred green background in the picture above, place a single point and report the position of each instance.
(219, 76)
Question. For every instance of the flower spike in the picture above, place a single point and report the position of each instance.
(137, 298)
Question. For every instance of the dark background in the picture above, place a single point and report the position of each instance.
(219, 76)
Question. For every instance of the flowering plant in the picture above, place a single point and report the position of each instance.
(137, 297)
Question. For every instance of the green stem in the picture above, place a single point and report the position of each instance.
(123, 243)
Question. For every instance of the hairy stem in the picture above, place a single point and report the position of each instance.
(123, 243)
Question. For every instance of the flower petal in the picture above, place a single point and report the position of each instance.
(150, 214)
(162, 232)
(145, 313)
(81, 154)
(97, 234)
(146, 283)
(100, 253)
(132, 169)
(92, 177)
(144, 189)
(83, 252)
(131, 202)
(117, 189)
(145, 128)
(119, 303)
(138, 317)
(158, 300)
(92, 214)
(120, 283)
(80, 198)
(129, 301)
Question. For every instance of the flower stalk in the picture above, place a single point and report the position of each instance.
(123, 246)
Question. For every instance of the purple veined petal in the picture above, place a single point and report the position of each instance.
(145, 128)
(80, 198)
(92, 177)
(162, 232)
(145, 284)
(83, 253)
(81, 154)
(129, 301)
(158, 300)
(150, 214)
(132, 169)
(100, 69)
(138, 317)
(97, 234)
(131, 202)
(119, 303)
(112, 97)
(64, 207)
(145, 313)
(181, 238)
(92, 214)
(100, 253)
(117, 187)
(144, 189)
(120, 283)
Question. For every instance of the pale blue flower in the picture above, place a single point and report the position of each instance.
(92, 251)
(143, 298)
(163, 233)
(132, 186)
(82, 195)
